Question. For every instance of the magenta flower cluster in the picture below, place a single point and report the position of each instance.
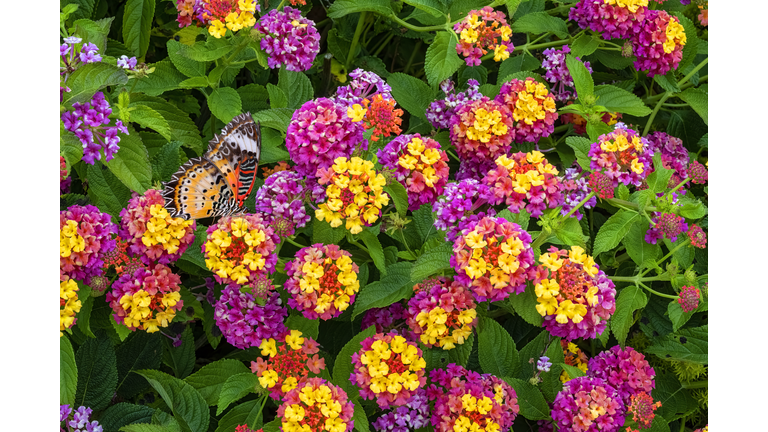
(281, 200)
(588, 405)
(624, 369)
(458, 208)
(622, 155)
(558, 74)
(667, 225)
(362, 85)
(96, 230)
(611, 20)
(674, 155)
(319, 132)
(650, 44)
(245, 321)
(89, 123)
(440, 112)
(289, 39)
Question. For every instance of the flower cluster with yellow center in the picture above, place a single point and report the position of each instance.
(484, 30)
(442, 313)
(621, 144)
(241, 17)
(485, 124)
(69, 304)
(165, 230)
(571, 287)
(631, 5)
(533, 103)
(354, 193)
(288, 364)
(525, 180)
(314, 406)
(240, 248)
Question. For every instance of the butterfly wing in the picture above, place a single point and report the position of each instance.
(235, 152)
(198, 190)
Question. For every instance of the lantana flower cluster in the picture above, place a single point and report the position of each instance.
(247, 318)
(665, 225)
(558, 73)
(120, 259)
(362, 85)
(468, 401)
(239, 248)
(674, 155)
(642, 407)
(80, 420)
(354, 193)
(322, 281)
(622, 155)
(289, 361)
(389, 369)
(85, 236)
(69, 304)
(409, 417)
(151, 233)
(316, 406)
(625, 369)
(493, 257)
(440, 111)
(379, 114)
(281, 199)
(588, 404)
(481, 130)
(525, 180)
(574, 296)
(442, 313)
(384, 318)
(289, 39)
(658, 45)
(321, 132)
(532, 107)
(89, 122)
(482, 31)
(580, 123)
(459, 206)
(420, 164)
(689, 298)
(220, 15)
(613, 19)
(575, 188)
(147, 299)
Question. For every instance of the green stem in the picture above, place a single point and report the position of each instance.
(695, 385)
(673, 105)
(654, 112)
(609, 49)
(669, 296)
(413, 55)
(291, 241)
(359, 245)
(355, 39)
(682, 183)
(402, 23)
(543, 236)
(584, 201)
(280, 6)
(452, 154)
(683, 244)
(402, 236)
(693, 72)
(263, 402)
(637, 279)
(383, 44)
(622, 203)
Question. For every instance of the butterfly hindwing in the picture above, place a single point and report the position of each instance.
(235, 152)
(198, 190)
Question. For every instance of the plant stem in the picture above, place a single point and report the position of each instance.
(359, 245)
(402, 236)
(695, 385)
(622, 203)
(543, 236)
(399, 21)
(669, 296)
(291, 241)
(280, 6)
(355, 39)
(633, 279)
(682, 183)
(691, 73)
(413, 55)
(584, 201)
(655, 111)
(683, 244)
(383, 44)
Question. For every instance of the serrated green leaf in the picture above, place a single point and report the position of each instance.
(411, 93)
(131, 163)
(67, 372)
(151, 119)
(210, 49)
(121, 330)
(572, 371)
(147, 427)
(431, 262)
(182, 127)
(274, 118)
(393, 287)
(236, 387)
(90, 78)
(277, 97)
(570, 233)
(123, 414)
(518, 63)
(439, 358)
(622, 192)
(512, 6)
(272, 147)
(247, 413)
(141, 350)
(296, 86)
(441, 60)
(93, 31)
(597, 128)
(540, 22)
(177, 53)
(613, 59)
(637, 248)
(496, 348)
(677, 316)
(225, 103)
(308, 327)
(165, 78)
(375, 250)
(683, 255)
(616, 99)
(673, 397)
(613, 230)
(360, 419)
(210, 379)
(137, 23)
(166, 161)
(342, 367)
(692, 209)
(254, 97)
(340, 8)
(659, 178)
(525, 306)
(582, 79)
(181, 359)
(187, 405)
(529, 398)
(194, 82)
(323, 233)
(585, 45)
(688, 345)
(698, 100)
(106, 190)
(75, 9)
(580, 146)
(628, 301)
(667, 82)
(399, 195)
(533, 350)
(84, 316)
(338, 46)
(96, 373)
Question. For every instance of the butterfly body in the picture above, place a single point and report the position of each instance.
(217, 183)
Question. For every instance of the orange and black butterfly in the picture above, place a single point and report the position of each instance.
(217, 183)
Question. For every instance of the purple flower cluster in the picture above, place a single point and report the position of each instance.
(455, 210)
(281, 198)
(575, 188)
(88, 122)
(608, 18)
(319, 132)
(245, 321)
(80, 420)
(363, 85)
(289, 39)
(667, 225)
(673, 155)
(126, 63)
(384, 318)
(440, 112)
(588, 405)
(626, 370)
(409, 417)
(557, 73)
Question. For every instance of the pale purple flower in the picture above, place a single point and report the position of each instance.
(558, 74)
(363, 85)
(440, 112)
(543, 364)
(245, 321)
(126, 63)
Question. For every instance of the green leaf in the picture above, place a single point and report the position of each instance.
(254, 97)
(194, 82)
(235, 387)
(529, 398)
(277, 118)
(570, 233)
(673, 397)
(616, 99)
(399, 195)
(272, 146)
(273, 426)
(93, 31)
(411, 93)
(338, 46)
(360, 419)
(247, 413)
(67, 372)
(123, 414)
(296, 86)
(137, 23)
(432, 262)
(698, 100)
(528, 6)
(525, 305)
(181, 359)
(432, 7)
(667, 82)
(75, 9)
(342, 367)
(90, 78)
(374, 249)
(165, 77)
(339, 8)
(688, 345)
(225, 103)
(540, 22)
(582, 79)
(151, 119)
(572, 371)
(613, 230)
(177, 52)
(146, 427)
(187, 405)
(685, 254)
(533, 350)
(183, 129)
(210, 379)
(395, 286)
(131, 163)
(677, 316)
(96, 373)
(518, 63)
(277, 97)
(512, 6)
(691, 47)
(585, 45)
(496, 349)
(166, 161)
(110, 194)
(597, 128)
(637, 248)
(580, 146)
(442, 60)
(629, 300)
(307, 327)
(439, 358)
(659, 178)
(141, 350)
(692, 209)
(210, 49)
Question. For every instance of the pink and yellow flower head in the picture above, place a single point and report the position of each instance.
(642, 407)
(659, 43)
(121, 260)
(493, 257)
(482, 31)
(69, 305)
(354, 193)
(532, 107)
(625, 369)
(614, 19)
(239, 248)
(481, 130)
(420, 164)
(468, 401)
(573, 295)
(588, 404)
(316, 405)
(622, 155)
(441, 314)
(151, 233)
(388, 368)
(85, 236)
(221, 15)
(379, 114)
(525, 180)
(574, 356)
(289, 362)
(322, 281)
(147, 299)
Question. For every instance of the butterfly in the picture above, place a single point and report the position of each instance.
(217, 183)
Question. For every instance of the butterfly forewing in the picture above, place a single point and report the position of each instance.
(235, 152)
(198, 190)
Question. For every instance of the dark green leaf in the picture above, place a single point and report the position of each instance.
(141, 350)
(339, 8)
(375, 250)
(166, 161)
(209, 380)
(131, 163)
(187, 405)
(151, 119)
(164, 78)
(613, 230)
(277, 97)
(691, 48)
(677, 316)
(323, 233)
(673, 397)
(616, 99)
(585, 45)
(82, 8)
(688, 345)
(659, 178)
(399, 195)
(235, 387)
(177, 52)
(411, 93)
(393, 287)
(342, 367)
(109, 194)
(308, 327)
(667, 82)
(529, 398)
(182, 127)
(360, 419)
(246, 413)
(210, 49)
(94, 31)
(90, 78)
(580, 146)
(181, 359)
(496, 349)
(525, 306)
(698, 100)
(582, 79)
(433, 7)
(518, 63)
(613, 59)
(67, 372)
(225, 103)
(254, 97)
(123, 414)
(629, 300)
(540, 22)
(272, 147)
(637, 248)
(440, 358)
(274, 118)
(137, 23)
(570, 233)
(432, 262)
(146, 427)
(96, 373)
(442, 60)
(296, 86)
